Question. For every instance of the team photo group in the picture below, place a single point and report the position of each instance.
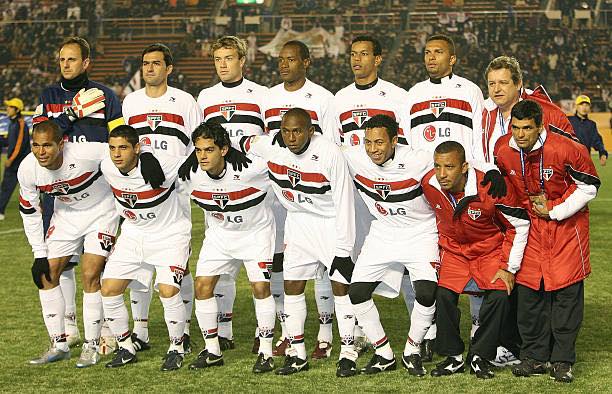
(427, 192)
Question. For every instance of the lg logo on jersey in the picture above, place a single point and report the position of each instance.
(230, 219)
(75, 198)
(141, 216)
(300, 198)
(391, 211)
(430, 132)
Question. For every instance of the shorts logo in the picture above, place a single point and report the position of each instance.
(360, 116)
(383, 190)
(129, 214)
(178, 274)
(61, 187)
(288, 195)
(548, 173)
(294, 177)
(50, 231)
(381, 209)
(106, 241)
(153, 121)
(227, 111)
(474, 213)
(266, 268)
(221, 200)
(218, 216)
(429, 133)
(437, 107)
(130, 198)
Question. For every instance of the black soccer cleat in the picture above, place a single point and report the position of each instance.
(263, 364)
(448, 367)
(481, 368)
(226, 344)
(172, 361)
(426, 350)
(122, 357)
(379, 364)
(529, 367)
(562, 372)
(346, 368)
(414, 364)
(293, 364)
(206, 360)
(139, 345)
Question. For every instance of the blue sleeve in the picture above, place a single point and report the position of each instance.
(598, 141)
(113, 114)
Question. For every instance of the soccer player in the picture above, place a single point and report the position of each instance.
(238, 105)
(166, 116)
(505, 85)
(312, 181)
(387, 176)
(297, 91)
(84, 218)
(482, 239)
(85, 111)
(555, 178)
(240, 231)
(154, 238)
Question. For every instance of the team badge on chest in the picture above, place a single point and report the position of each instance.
(474, 214)
(227, 111)
(548, 173)
(437, 107)
(130, 198)
(221, 200)
(294, 177)
(383, 190)
(153, 121)
(360, 116)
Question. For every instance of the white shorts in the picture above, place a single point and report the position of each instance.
(224, 252)
(384, 256)
(137, 257)
(280, 214)
(73, 232)
(311, 247)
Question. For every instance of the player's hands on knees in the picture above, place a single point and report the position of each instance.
(507, 277)
(151, 170)
(40, 267)
(237, 159)
(84, 103)
(344, 265)
(189, 165)
(498, 186)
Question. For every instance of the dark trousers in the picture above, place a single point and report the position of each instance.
(549, 322)
(497, 325)
(9, 182)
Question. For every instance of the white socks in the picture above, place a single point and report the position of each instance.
(278, 292)
(187, 296)
(475, 304)
(68, 285)
(175, 316)
(92, 315)
(225, 292)
(346, 326)
(420, 320)
(265, 313)
(53, 307)
(140, 302)
(325, 307)
(369, 319)
(206, 313)
(116, 315)
(295, 308)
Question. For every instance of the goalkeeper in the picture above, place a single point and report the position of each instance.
(85, 111)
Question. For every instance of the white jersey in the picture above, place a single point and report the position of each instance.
(238, 107)
(78, 185)
(313, 98)
(316, 182)
(354, 105)
(156, 212)
(235, 201)
(449, 109)
(167, 121)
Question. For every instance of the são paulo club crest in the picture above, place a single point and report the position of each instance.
(548, 173)
(429, 133)
(60, 187)
(221, 199)
(360, 116)
(106, 241)
(437, 107)
(383, 190)
(178, 273)
(154, 120)
(227, 111)
(294, 177)
(130, 198)
(474, 214)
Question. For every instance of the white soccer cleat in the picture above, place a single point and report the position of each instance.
(51, 355)
(89, 355)
(504, 358)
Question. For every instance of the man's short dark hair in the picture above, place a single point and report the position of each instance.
(49, 126)
(375, 43)
(124, 131)
(300, 113)
(213, 131)
(302, 48)
(447, 39)
(383, 121)
(527, 109)
(449, 147)
(81, 42)
(158, 47)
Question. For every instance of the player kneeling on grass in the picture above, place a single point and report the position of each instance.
(154, 239)
(240, 230)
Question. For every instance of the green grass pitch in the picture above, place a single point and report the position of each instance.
(23, 336)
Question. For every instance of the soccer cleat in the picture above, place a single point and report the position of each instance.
(280, 349)
(321, 351)
(226, 344)
(255, 349)
(172, 361)
(139, 344)
(89, 355)
(504, 358)
(448, 367)
(426, 350)
(379, 364)
(263, 364)
(108, 345)
(186, 344)
(293, 364)
(362, 345)
(529, 367)
(481, 368)
(206, 360)
(51, 355)
(562, 372)
(345, 368)
(122, 357)
(414, 364)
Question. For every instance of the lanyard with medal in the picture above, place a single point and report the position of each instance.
(452, 199)
(502, 122)
(534, 196)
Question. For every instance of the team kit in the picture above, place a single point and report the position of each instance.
(428, 193)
